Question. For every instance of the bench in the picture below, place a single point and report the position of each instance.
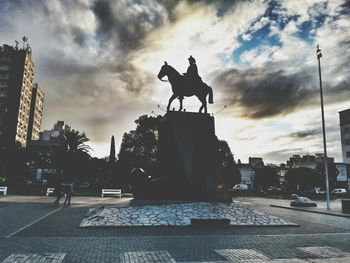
(116, 192)
(50, 191)
(345, 205)
(3, 189)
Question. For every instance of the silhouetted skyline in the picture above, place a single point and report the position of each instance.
(98, 62)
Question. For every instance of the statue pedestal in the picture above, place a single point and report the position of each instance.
(188, 155)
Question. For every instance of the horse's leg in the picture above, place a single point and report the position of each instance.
(202, 101)
(200, 108)
(205, 106)
(170, 101)
(181, 98)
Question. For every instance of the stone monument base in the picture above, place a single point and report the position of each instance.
(180, 214)
(191, 164)
(189, 156)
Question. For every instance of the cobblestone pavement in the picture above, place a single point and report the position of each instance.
(178, 215)
(244, 248)
(319, 238)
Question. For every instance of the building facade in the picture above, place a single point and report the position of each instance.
(344, 117)
(256, 162)
(16, 81)
(308, 161)
(36, 113)
(53, 135)
(247, 174)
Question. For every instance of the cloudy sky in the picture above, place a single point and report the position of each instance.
(97, 61)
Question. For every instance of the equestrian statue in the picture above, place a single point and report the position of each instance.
(186, 85)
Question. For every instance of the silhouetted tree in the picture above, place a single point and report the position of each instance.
(265, 177)
(332, 175)
(301, 178)
(73, 157)
(74, 141)
(231, 173)
(112, 151)
(99, 170)
(305, 179)
(15, 162)
(139, 147)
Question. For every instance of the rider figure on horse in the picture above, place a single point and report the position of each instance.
(188, 85)
(192, 76)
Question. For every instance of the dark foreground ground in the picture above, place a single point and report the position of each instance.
(33, 230)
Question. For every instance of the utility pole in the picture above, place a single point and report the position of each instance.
(325, 159)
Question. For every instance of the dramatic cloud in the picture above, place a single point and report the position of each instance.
(259, 93)
(97, 61)
(303, 134)
(127, 21)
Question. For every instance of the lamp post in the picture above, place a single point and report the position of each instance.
(325, 159)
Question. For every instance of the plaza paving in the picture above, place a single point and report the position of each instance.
(33, 230)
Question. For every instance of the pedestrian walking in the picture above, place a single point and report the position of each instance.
(68, 191)
(58, 193)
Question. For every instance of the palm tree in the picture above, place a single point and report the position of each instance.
(74, 153)
(74, 141)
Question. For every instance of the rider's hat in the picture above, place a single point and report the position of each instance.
(191, 59)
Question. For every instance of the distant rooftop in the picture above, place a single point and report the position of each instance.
(344, 117)
(8, 48)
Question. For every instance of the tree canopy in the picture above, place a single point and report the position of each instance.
(74, 141)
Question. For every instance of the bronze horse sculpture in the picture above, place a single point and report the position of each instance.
(181, 87)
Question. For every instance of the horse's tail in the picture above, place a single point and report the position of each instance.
(210, 91)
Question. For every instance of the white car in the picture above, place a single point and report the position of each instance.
(339, 191)
(240, 187)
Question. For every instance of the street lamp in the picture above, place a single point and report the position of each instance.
(325, 159)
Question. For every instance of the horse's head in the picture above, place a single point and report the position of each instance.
(163, 71)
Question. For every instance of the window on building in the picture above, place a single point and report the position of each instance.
(4, 67)
(2, 93)
(346, 129)
(347, 142)
(5, 59)
(4, 76)
(347, 154)
(3, 107)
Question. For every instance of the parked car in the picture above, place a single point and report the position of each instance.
(240, 188)
(313, 191)
(317, 190)
(339, 191)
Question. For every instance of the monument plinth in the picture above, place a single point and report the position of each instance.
(188, 155)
